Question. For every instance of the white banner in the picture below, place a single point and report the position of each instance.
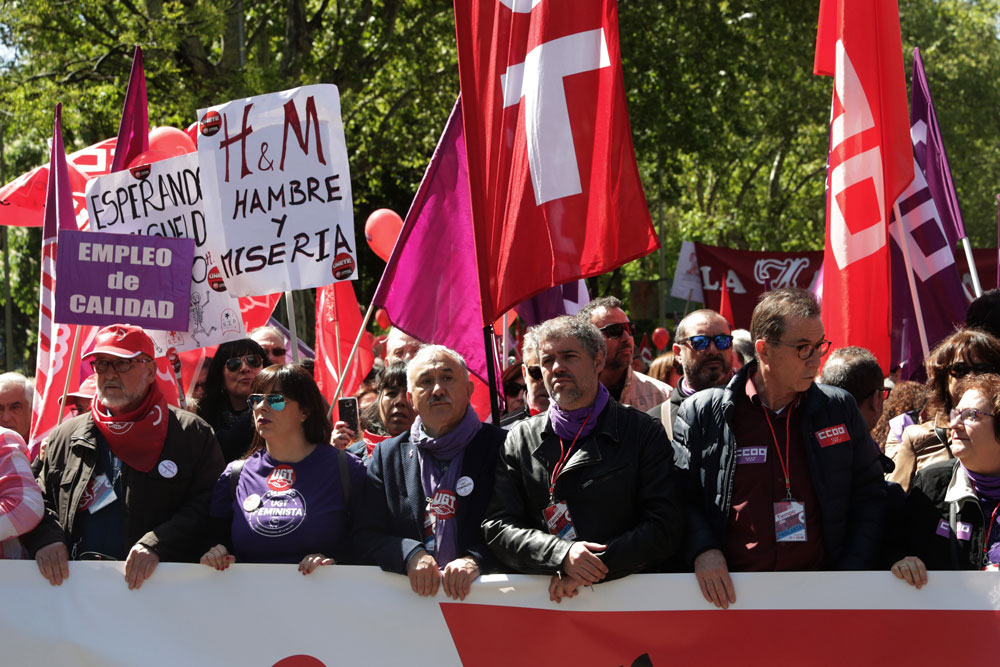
(277, 184)
(687, 278)
(165, 199)
(271, 615)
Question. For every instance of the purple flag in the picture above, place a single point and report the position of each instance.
(133, 130)
(998, 239)
(430, 287)
(565, 299)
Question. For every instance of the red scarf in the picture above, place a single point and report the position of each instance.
(372, 439)
(137, 437)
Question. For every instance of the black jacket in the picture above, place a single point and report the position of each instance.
(846, 477)
(392, 520)
(620, 486)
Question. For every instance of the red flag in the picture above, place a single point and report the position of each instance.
(726, 306)
(555, 188)
(645, 350)
(133, 130)
(337, 314)
(256, 310)
(870, 163)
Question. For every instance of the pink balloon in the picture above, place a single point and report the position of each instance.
(148, 157)
(381, 230)
(171, 141)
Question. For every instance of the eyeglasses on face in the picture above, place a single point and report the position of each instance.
(961, 369)
(534, 372)
(700, 342)
(120, 365)
(513, 389)
(276, 352)
(968, 415)
(252, 361)
(807, 350)
(276, 401)
(617, 329)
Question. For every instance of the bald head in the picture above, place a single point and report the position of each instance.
(710, 366)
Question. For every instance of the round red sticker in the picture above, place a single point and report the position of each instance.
(140, 171)
(210, 123)
(343, 266)
(443, 504)
(281, 479)
(215, 279)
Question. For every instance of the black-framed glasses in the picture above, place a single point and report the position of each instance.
(807, 350)
(617, 329)
(961, 369)
(700, 342)
(968, 415)
(512, 389)
(252, 361)
(276, 401)
(534, 372)
(101, 366)
(276, 352)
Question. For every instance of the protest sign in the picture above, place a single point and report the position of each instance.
(278, 190)
(687, 279)
(110, 278)
(165, 199)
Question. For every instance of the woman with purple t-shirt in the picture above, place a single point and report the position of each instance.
(290, 500)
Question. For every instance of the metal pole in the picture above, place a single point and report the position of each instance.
(917, 311)
(491, 374)
(8, 312)
(662, 301)
(290, 310)
(350, 357)
(972, 267)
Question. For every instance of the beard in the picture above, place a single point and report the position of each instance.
(700, 376)
(120, 399)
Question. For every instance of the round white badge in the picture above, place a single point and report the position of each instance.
(251, 502)
(464, 486)
(167, 468)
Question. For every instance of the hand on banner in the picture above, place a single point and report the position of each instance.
(53, 562)
(139, 566)
(458, 576)
(563, 587)
(911, 570)
(342, 436)
(312, 561)
(218, 557)
(423, 573)
(713, 577)
(583, 564)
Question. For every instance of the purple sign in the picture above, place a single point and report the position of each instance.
(122, 278)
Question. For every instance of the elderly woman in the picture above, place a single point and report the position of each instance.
(952, 511)
(965, 352)
(290, 499)
(227, 386)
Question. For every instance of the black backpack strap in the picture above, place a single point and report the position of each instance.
(234, 476)
(345, 476)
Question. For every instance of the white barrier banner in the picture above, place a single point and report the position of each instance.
(271, 615)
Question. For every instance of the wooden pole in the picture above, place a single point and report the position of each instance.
(290, 310)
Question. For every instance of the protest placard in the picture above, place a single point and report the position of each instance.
(111, 278)
(165, 199)
(277, 186)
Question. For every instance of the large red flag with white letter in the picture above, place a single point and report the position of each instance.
(555, 187)
(870, 164)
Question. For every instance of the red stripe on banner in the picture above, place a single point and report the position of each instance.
(739, 637)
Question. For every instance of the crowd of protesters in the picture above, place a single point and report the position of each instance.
(734, 454)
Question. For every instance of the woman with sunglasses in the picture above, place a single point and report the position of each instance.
(290, 499)
(952, 512)
(965, 352)
(227, 386)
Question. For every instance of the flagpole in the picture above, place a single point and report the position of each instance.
(506, 348)
(972, 267)
(69, 374)
(336, 338)
(917, 311)
(290, 310)
(687, 304)
(491, 374)
(350, 357)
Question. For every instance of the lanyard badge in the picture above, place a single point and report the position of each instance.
(789, 514)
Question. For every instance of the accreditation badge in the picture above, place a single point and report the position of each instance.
(558, 520)
(790, 521)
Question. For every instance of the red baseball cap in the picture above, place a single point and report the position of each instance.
(122, 340)
(87, 389)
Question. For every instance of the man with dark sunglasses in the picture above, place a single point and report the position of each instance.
(627, 386)
(130, 479)
(273, 343)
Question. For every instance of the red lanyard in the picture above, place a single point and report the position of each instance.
(564, 456)
(783, 462)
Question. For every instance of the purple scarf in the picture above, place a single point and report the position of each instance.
(449, 448)
(567, 423)
(987, 487)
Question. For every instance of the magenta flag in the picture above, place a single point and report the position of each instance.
(430, 287)
(998, 239)
(133, 130)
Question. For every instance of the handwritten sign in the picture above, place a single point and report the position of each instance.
(165, 199)
(277, 184)
(110, 278)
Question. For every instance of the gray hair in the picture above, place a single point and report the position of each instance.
(855, 370)
(607, 302)
(24, 383)
(530, 341)
(569, 326)
(266, 329)
(743, 345)
(428, 352)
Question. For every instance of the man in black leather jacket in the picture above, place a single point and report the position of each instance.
(588, 490)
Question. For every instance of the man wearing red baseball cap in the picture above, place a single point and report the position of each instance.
(129, 480)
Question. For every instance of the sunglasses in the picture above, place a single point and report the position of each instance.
(616, 330)
(961, 369)
(252, 361)
(513, 389)
(535, 372)
(700, 342)
(275, 401)
(276, 352)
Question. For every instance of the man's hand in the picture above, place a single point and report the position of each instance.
(458, 576)
(139, 566)
(424, 575)
(560, 587)
(713, 577)
(312, 561)
(342, 436)
(53, 562)
(582, 564)
(911, 570)
(218, 557)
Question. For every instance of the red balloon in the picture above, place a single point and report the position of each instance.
(661, 337)
(192, 132)
(382, 318)
(381, 230)
(148, 157)
(171, 141)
